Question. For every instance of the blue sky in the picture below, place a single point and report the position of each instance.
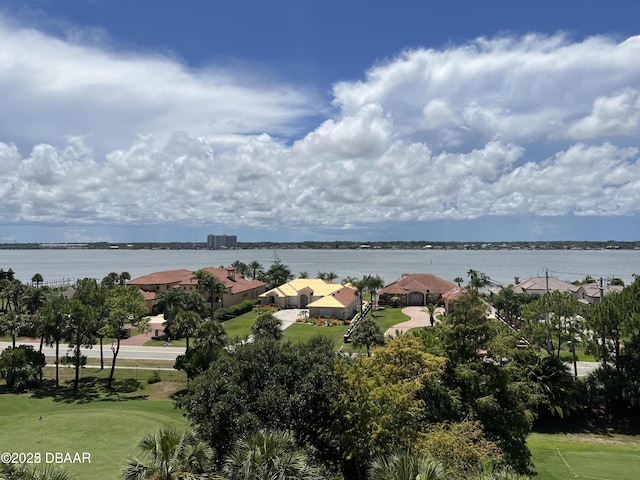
(304, 120)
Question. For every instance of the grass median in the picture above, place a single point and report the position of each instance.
(102, 427)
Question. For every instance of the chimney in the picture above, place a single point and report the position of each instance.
(231, 274)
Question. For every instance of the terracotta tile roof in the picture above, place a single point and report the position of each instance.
(418, 282)
(593, 289)
(235, 283)
(167, 277)
(540, 283)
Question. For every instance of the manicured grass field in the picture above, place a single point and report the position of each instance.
(588, 456)
(240, 327)
(105, 426)
(301, 332)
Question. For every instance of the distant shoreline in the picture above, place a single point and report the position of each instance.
(339, 245)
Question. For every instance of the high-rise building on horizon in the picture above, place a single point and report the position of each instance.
(218, 242)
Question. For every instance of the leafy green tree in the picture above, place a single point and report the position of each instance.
(169, 455)
(406, 466)
(381, 401)
(367, 333)
(266, 455)
(483, 387)
(21, 366)
(551, 321)
(467, 328)
(37, 279)
(462, 448)
(268, 326)
(114, 279)
(124, 306)
(267, 385)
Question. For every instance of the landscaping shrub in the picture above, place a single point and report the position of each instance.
(154, 378)
(21, 366)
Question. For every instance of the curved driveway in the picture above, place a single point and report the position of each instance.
(419, 318)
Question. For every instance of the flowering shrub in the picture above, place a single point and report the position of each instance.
(333, 322)
(321, 321)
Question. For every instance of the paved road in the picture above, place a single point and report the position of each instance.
(130, 352)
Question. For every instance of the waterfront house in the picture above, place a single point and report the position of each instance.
(239, 288)
(592, 292)
(540, 285)
(321, 297)
(418, 289)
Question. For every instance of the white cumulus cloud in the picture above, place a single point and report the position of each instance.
(93, 135)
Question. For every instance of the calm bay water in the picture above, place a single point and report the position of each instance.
(500, 265)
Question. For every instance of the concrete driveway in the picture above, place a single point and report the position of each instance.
(288, 316)
(419, 319)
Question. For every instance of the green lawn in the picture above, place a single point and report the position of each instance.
(389, 317)
(588, 456)
(240, 327)
(105, 426)
(301, 332)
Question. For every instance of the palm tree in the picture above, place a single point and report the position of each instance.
(255, 267)
(459, 281)
(373, 285)
(44, 471)
(267, 326)
(12, 323)
(171, 303)
(169, 455)
(278, 274)
(52, 324)
(268, 455)
(430, 308)
(187, 322)
(210, 336)
(241, 267)
(360, 287)
(406, 467)
(367, 333)
(349, 280)
(209, 284)
(476, 281)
